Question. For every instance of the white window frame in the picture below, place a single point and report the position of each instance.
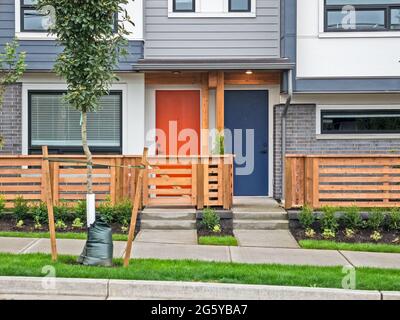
(224, 14)
(345, 136)
(355, 34)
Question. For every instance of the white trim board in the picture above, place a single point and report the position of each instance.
(321, 136)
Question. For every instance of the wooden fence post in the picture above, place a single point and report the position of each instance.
(49, 200)
(288, 183)
(135, 210)
(200, 186)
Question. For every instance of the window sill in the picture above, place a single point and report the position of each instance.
(34, 36)
(372, 34)
(212, 15)
(357, 136)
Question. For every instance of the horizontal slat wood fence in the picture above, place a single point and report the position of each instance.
(184, 181)
(342, 180)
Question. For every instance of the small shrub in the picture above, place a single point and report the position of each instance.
(394, 219)
(125, 226)
(60, 225)
(62, 212)
(376, 236)
(80, 210)
(310, 233)
(20, 224)
(77, 224)
(352, 218)
(217, 229)
(123, 211)
(349, 233)
(329, 234)
(38, 225)
(39, 213)
(210, 219)
(328, 219)
(106, 211)
(376, 219)
(2, 204)
(306, 217)
(21, 208)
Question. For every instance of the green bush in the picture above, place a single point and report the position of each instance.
(80, 210)
(39, 213)
(328, 219)
(106, 211)
(306, 217)
(21, 208)
(210, 219)
(2, 204)
(62, 212)
(123, 211)
(352, 218)
(394, 219)
(376, 219)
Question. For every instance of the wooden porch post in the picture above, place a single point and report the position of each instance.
(220, 116)
(205, 93)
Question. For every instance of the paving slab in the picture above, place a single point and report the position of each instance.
(15, 245)
(70, 247)
(256, 204)
(30, 297)
(168, 236)
(143, 250)
(287, 256)
(388, 295)
(266, 238)
(373, 259)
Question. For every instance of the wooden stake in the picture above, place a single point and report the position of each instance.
(49, 200)
(135, 210)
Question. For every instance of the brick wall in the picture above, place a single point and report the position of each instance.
(301, 139)
(11, 120)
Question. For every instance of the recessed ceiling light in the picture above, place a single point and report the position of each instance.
(249, 72)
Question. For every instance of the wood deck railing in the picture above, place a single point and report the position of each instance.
(194, 181)
(342, 180)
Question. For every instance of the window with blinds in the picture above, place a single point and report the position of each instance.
(55, 124)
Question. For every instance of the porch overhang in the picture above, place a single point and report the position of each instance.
(212, 64)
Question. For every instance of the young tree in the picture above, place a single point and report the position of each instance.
(12, 67)
(92, 43)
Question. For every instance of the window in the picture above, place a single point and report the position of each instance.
(362, 15)
(31, 19)
(55, 124)
(360, 121)
(184, 5)
(239, 5)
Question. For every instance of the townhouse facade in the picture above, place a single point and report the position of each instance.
(215, 65)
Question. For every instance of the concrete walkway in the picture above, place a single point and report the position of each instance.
(251, 255)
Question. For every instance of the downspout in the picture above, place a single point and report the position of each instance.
(283, 128)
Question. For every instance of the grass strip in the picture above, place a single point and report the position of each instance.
(30, 265)
(60, 235)
(218, 241)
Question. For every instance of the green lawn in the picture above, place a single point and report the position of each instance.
(196, 271)
(332, 245)
(218, 241)
(60, 235)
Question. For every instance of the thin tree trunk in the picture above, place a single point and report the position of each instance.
(89, 157)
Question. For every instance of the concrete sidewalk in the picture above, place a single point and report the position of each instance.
(148, 250)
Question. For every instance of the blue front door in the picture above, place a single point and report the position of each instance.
(246, 116)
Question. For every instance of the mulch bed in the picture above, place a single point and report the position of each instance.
(9, 224)
(361, 236)
(226, 226)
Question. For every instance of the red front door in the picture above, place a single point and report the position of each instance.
(178, 122)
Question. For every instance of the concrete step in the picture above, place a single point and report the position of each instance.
(159, 215)
(260, 224)
(168, 224)
(260, 215)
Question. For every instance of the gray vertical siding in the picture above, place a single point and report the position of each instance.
(191, 38)
(41, 54)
